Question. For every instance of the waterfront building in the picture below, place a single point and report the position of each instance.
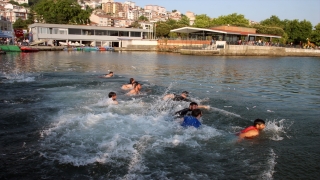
(230, 34)
(87, 35)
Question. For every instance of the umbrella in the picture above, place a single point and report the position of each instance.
(2, 35)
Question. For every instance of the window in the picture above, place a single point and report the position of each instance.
(114, 33)
(124, 33)
(135, 34)
(74, 31)
(101, 33)
(42, 30)
(87, 32)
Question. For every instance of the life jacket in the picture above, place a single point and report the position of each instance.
(249, 129)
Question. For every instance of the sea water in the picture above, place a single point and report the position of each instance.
(56, 121)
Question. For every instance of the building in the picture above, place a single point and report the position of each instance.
(22, 1)
(12, 13)
(191, 17)
(88, 35)
(230, 34)
(5, 26)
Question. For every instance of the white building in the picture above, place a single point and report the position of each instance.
(191, 17)
(88, 35)
(11, 12)
(22, 1)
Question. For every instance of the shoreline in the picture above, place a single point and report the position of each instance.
(230, 50)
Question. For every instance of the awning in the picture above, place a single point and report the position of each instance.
(265, 35)
(193, 30)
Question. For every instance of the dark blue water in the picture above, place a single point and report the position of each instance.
(56, 122)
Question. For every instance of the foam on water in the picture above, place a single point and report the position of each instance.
(18, 77)
(268, 173)
(276, 130)
(119, 135)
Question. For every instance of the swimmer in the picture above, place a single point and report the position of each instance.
(112, 98)
(252, 131)
(182, 97)
(186, 111)
(136, 89)
(129, 85)
(108, 75)
(193, 120)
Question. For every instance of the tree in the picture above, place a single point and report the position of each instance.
(297, 31)
(202, 21)
(174, 10)
(61, 12)
(143, 18)
(135, 24)
(315, 35)
(19, 24)
(232, 19)
(184, 21)
(273, 21)
(163, 30)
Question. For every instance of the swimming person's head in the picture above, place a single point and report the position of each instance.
(196, 113)
(112, 95)
(193, 105)
(259, 124)
(131, 81)
(185, 94)
(137, 86)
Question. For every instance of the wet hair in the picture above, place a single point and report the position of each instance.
(186, 93)
(131, 81)
(135, 84)
(193, 103)
(110, 72)
(111, 94)
(196, 112)
(258, 121)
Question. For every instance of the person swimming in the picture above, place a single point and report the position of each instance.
(136, 89)
(192, 120)
(128, 86)
(186, 111)
(175, 97)
(112, 98)
(108, 75)
(252, 131)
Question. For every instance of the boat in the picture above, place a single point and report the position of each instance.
(28, 49)
(10, 48)
(76, 44)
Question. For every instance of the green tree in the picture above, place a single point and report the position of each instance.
(143, 18)
(19, 24)
(14, 3)
(202, 21)
(135, 24)
(297, 31)
(61, 12)
(232, 19)
(163, 30)
(184, 21)
(315, 35)
(273, 21)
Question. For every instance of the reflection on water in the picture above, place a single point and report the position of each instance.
(56, 117)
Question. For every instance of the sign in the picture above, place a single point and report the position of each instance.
(18, 33)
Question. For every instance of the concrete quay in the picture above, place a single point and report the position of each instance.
(243, 50)
(47, 48)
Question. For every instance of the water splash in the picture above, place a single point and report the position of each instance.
(268, 173)
(277, 129)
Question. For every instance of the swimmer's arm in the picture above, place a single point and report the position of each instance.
(203, 106)
(168, 96)
(248, 134)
